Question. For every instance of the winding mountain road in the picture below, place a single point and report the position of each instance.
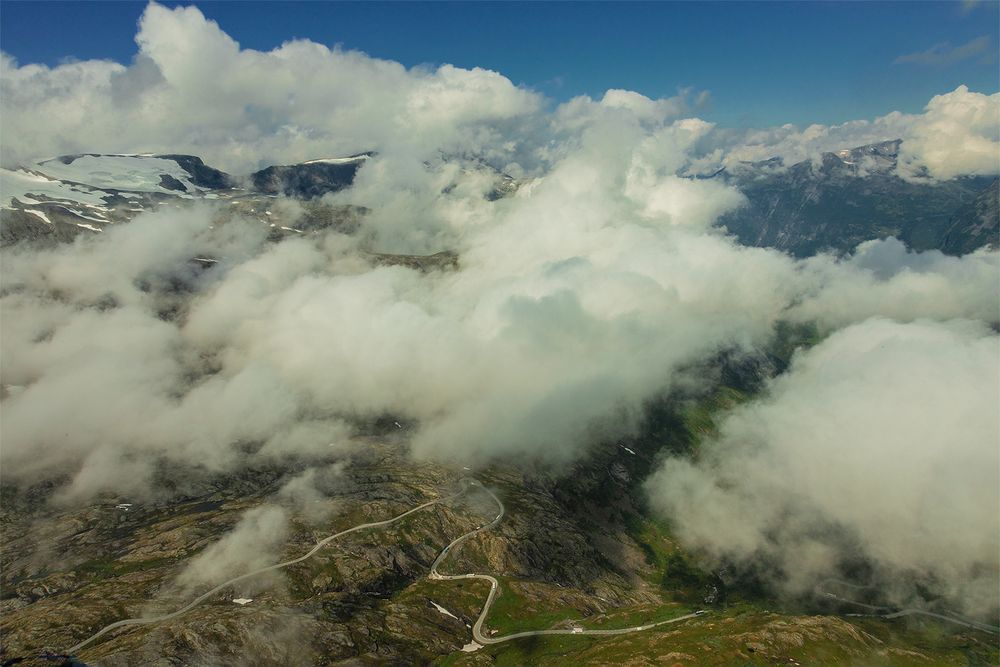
(889, 612)
(477, 628)
(207, 594)
(479, 638)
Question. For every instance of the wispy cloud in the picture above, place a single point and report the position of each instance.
(969, 5)
(944, 53)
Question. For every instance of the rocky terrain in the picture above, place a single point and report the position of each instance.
(976, 224)
(576, 547)
(54, 201)
(855, 195)
(363, 597)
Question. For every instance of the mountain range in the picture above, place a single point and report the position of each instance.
(854, 195)
(830, 204)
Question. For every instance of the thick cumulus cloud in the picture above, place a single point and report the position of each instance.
(959, 133)
(884, 278)
(86, 334)
(879, 443)
(298, 101)
(575, 301)
(303, 100)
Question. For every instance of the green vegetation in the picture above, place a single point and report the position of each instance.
(789, 336)
(747, 635)
(97, 568)
(555, 650)
(449, 660)
(929, 636)
(635, 616)
(514, 611)
(671, 568)
(699, 418)
(462, 598)
(684, 578)
(102, 568)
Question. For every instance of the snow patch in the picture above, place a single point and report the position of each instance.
(339, 160)
(137, 173)
(20, 183)
(41, 215)
(444, 611)
(242, 601)
(80, 214)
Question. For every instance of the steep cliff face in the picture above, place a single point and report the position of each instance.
(975, 225)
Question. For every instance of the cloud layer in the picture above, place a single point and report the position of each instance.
(881, 442)
(576, 300)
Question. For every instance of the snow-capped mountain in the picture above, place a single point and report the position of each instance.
(846, 197)
(56, 199)
(60, 197)
(850, 196)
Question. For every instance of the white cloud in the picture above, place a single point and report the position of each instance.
(959, 133)
(298, 101)
(883, 277)
(793, 144)
(303, 100)
(944, 53)
(254, 542)
(881, 442)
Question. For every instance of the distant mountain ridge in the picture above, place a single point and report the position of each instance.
(842, 199)
(56, 199)
(855, 195)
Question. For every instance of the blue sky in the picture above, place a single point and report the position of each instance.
(763, 63)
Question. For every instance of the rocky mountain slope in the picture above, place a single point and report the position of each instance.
(57, 199)
(855, 195)
(308, 180)
(574, 550)
(850, 196)
(976, 224)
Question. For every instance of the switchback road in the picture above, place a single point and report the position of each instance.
(477, 628)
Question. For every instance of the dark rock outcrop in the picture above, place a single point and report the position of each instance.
(307, 180)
